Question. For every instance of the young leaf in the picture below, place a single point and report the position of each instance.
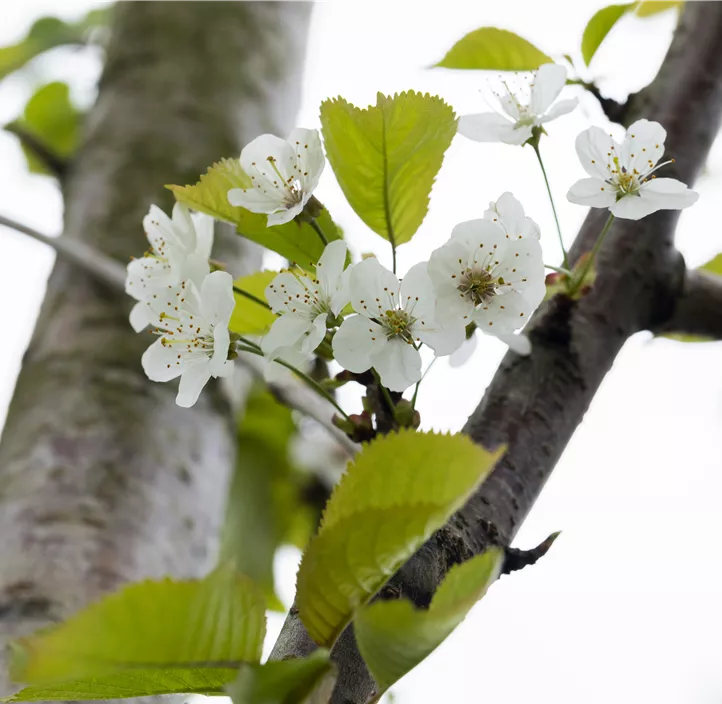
(149, 638)
(713, 266)
(492, 49)
(386, 157)
(393, 636)
(397, 492)
(599, 26)
(254, 525)
(306, 680)
(251, 317)
(654, 7)
(50, 120)
(298, 243)
(47, 33)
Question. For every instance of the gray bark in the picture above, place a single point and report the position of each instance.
(534, 404)
(103, 479)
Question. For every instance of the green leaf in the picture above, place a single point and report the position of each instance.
(713, 266)
(250, 317)
(50, 119)
(599, 27)
(399, 490)
(149, 638)
(306, 680)
(386, 157)
(298, 243)
(393, 636)
(47, 33)
(654, 7)
(255, 523)
(492, 49)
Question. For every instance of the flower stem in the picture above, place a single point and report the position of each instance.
(551, 200)
(385, 393)
(318, 230)
(255, 349)
(393, 256)
(558, 269)
(418, 383)
(251, 297)
(593, 255)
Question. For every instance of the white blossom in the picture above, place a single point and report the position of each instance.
(524, 109)
(393, 319)
(622, 176)
(284, 174)
(194, 338)
(508, 213)
(306, 305)
(484, 275)
(179, 251)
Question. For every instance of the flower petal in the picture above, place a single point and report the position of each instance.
(374, 289)
(443, 337)
(217, 300)
(160, 362)
(521, 267)
(193, 379)
(503, 314)
(221, 345)
(415, 292)
(287, 331)
(159, 229)
(259, 156)
(508, 213)
(286, 215)
(595, 149)
(140, 316)
(643, 146)
(558, 109)
(548, 83)
(465, 352)
(354, 342)
(183, 227)
(331, 265)
(485, 127)
(518, 342)
(310, 159)
(146, 275)
(316, 333)
(398, 364)
(657, 194)
(255, 200)
(592, 192)
(288, 293)
(204, 225)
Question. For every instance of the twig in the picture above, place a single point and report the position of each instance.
(86, 257)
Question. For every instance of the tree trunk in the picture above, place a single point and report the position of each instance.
(103, 479)
(535, 403)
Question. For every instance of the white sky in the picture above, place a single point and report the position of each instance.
(625, 608)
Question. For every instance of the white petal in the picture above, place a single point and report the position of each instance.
(160, 362)
(140, 316)
(548, 83)
(416, 291)
(530, 229)
(196, 268)
(204, 225)
(475, 232)
(285, 215)
(634, 207)
(158, 228)
(485, 127)
(518, 135)
(342, 297)
(465, 352)
(316, 333)
(354, 342)
(193, 379)
(657, 194)
(443, 336)
(522, 268)
(183, 227)
(255, 158)
(503, 314)
(508, 212)
(255, 200)
(288, 293)
(287, 331)
(374, 289)
(558, 109)
(592, 192)
(221, 345)
(331, 265)
(146, 275)
(595, 149)
(518, 342)
(309, 157)
(510, 105)
(217, 299)
(643, 146)
(275, 373)
(398, 364)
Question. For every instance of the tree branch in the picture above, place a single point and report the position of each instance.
(698, 310)
(56, 164)
(535, 403)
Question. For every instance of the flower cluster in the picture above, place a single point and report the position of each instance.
(489, 275)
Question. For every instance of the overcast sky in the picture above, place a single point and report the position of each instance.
(625, 608)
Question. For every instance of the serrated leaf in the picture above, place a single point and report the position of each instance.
(51, 119)
(47, 33)
(654, 7)
(599, 27)
(493, 49)
(306, 680)
(386, 157)
(250, 317)
(399, 490)
(298, 243)
(255, 524)
(148, 638)
(393, 636)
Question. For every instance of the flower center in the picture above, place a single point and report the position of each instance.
(293, 190)
(478, 285)
(398, 323)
